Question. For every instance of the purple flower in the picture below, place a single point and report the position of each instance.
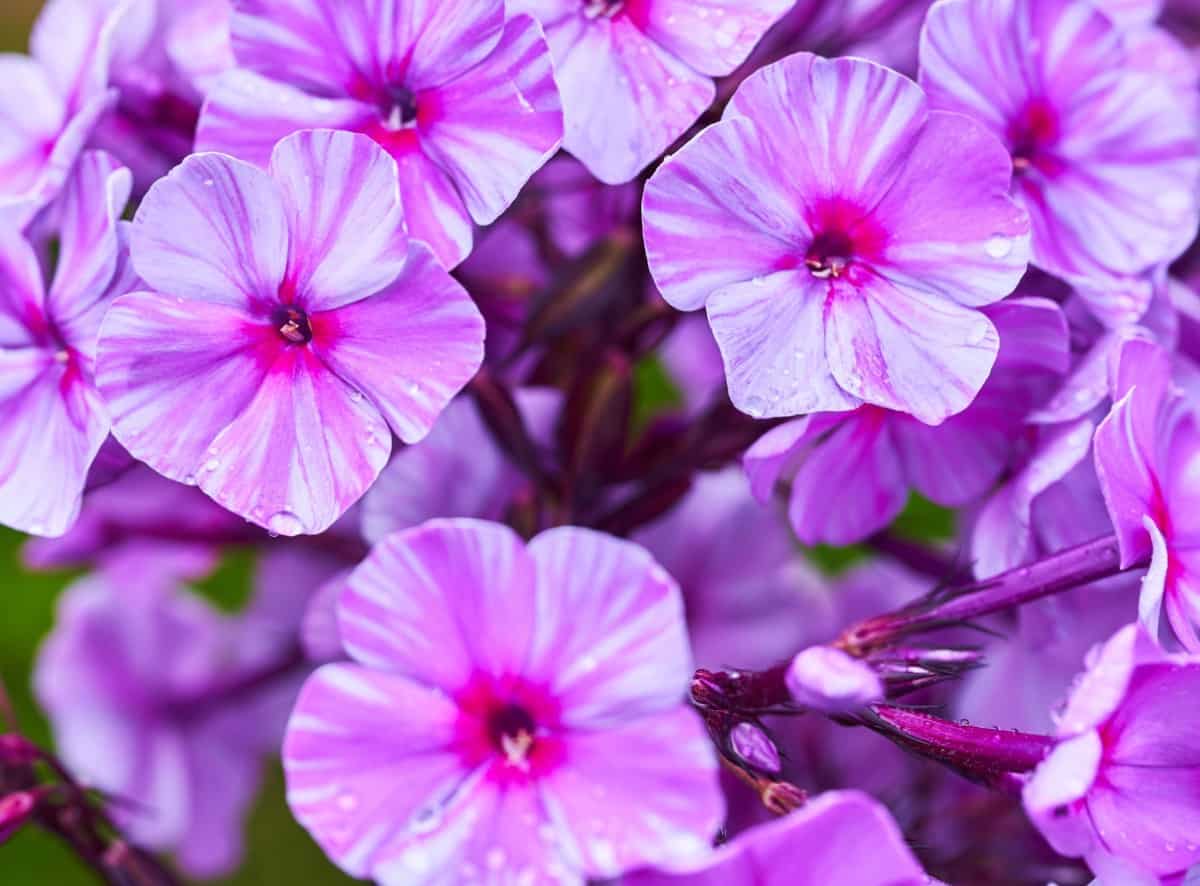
(860, 231)
(841, 838)
(1121, 788)
(1147, 453)
(870, 458)
(50, 100)
(744, 584)
(557, 746)
(124, 678)
(290, 329)
(52, 423)
(463, 100)
(457, 471)
(1104, 160)
(635, 74)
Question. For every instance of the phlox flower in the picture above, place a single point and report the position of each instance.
(51, 99)
(462, 98)
(841, 838)
(288, 328)
(1147, 454)
(859, 232)
(870, 458)
(1105, 159)
(511, 713)
(132, 678)
(1121, 787)
(635, 74)
(52, 422)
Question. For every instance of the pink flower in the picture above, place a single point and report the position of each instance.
(1148, 459)
(1121, 788)
(841, 838)
(870, 458)
(1104, 161)
(288, 331)
(52, 422)
(554, 749)
(635, 74)
(859, 232)
(50, 100)
(464, 100)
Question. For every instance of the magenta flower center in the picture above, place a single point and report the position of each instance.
(292, 325)
(844, 237)
(511, 729)
(1031, 136)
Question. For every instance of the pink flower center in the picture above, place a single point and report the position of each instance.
(292, 325)
(1032, 135)
(846, 239)
(509, 724)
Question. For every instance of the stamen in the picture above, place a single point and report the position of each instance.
(594, 9)
(293, 326)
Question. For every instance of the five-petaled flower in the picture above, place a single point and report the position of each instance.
(289, 328)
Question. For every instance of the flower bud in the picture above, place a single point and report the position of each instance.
(827, 679)
(15, 810)
(755, 748)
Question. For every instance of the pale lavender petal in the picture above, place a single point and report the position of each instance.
(214, 230)
(953, 228)
(498, 124)
(246, 115)
(31, 115)
(409, 348)
(1126, 476)
(300, 453)
(175, 373)
(22, 292)
(712, 36)
(610, 638)
(1062, 780)
(908, 350)
(649, 98)
(369, 760)
(857, 466)
(820, 844)
(425, 602)
(661, 805)
(771, 332)
(433, 207)
(342, 202)
(52, 426)
(721, 188)
(90, 245)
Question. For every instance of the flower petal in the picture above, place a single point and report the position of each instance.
(52, 426)
(649, 97)
(907, 349)
(712, 36)
(342, 201)
(425, 603)
(409, 348)
(771, 332)
(643, 793)
(214, 230)
(610, 638)
(300, 453)
(497, 124)
(369, 761)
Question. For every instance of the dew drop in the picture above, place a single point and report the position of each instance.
(495, 858)
(426, 819)
(998, 246)
(755, 407)
(212, 464)
(208, 183)
(347, 802)
(190, 480)
(285, 523)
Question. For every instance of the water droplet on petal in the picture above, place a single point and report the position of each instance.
(495, 858)
(347, 802)
(212, 464)
(285, 523)
(998, 246)
(208, 183)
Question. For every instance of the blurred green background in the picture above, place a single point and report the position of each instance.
(279, 852)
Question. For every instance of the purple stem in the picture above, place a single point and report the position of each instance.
(1080, 565)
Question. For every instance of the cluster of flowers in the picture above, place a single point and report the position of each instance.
(942, 248)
